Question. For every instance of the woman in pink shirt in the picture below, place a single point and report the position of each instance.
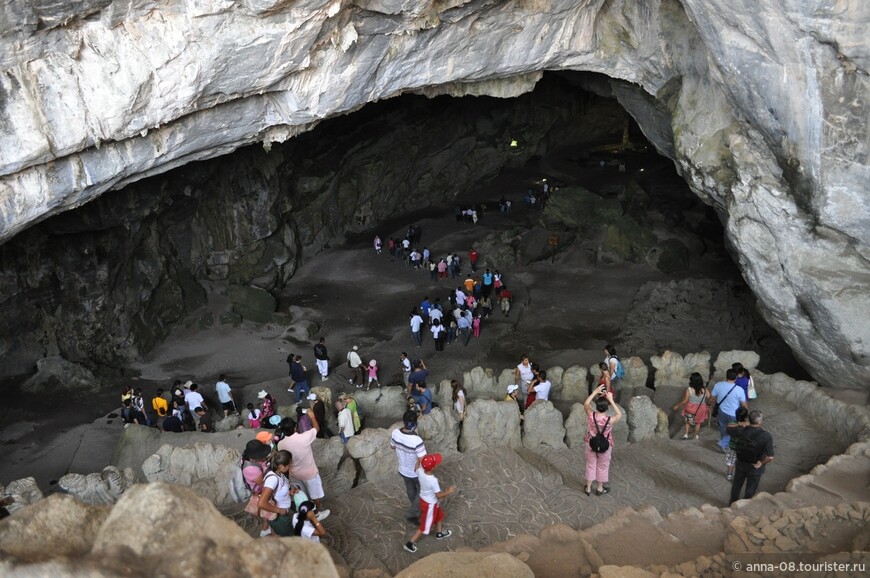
(598, 422)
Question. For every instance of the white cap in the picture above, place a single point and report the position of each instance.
(512, 388)
(312, 396)
(187, 384)
(262, 394)
(355, 347)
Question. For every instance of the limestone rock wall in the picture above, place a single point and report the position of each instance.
(763, 109)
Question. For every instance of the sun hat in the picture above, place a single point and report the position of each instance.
(264, 437)
(373, 363)
(275, 420)
(429, 461)
(262, 394)
(512, 388)
(312, 396)
(257, 450)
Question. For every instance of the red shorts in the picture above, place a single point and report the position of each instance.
(430, 514)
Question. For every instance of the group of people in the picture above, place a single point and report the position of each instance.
(183, 408)
(748, 447)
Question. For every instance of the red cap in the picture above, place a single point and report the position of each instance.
(429, 461)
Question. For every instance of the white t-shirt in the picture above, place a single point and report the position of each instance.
(459, 404)
(354, 359)
(428, 486)
(416, 322)
(435, 314)
(436, 330)
(345, 422)
(193, 400)
(408, 448)
(280, 489)
(406, 365)
(223, 391)
(307, 529)
(542, 390)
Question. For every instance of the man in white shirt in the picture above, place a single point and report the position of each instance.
(345, 421)
(355, 363)
(193, 399)
(406, 367)
(542, 387)
(416, 325)
(409, 450)
(435, 314)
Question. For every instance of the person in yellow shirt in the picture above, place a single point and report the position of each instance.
(469, 284)
(160, 405)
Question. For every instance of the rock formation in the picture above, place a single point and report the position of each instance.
(763, 113)
(99, 488)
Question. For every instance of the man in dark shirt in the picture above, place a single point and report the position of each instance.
(206, 423)
(319, 411)
(750, 468)
(173, 423)
(418, 374)
(297, 374)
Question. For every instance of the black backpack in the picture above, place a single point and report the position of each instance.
(745, 447)
(599, 442)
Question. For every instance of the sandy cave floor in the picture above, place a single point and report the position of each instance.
(564, 314)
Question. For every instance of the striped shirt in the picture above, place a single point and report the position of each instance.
(409, 447)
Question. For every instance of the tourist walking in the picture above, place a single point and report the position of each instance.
(505, 298)
(302, 466)
(225, 395)
(373, 374)
(695, 402)
(729, 396)
(431, 514)
(276, 487)
(254, 466)
(416, 327)
(754, 446)
(409, 449)
(439, 334)
(459, 402)
(298, 373)
(599, 425)
(616, 371)
(356, 366)
(321, 356)
(345, 420)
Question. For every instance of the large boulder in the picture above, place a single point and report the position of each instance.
(56, 373)
(481, 383)
(382, 402)
(478, 564)
(371, 447)
(253, 303)
(439, 429)
(554, 374)
(491, 423)
(723, 362)
(99, 488)
(673, 370)
(211, 471)
(543, 427)
(23, 492)
(642, 418)
(574, 384)
(54, 527)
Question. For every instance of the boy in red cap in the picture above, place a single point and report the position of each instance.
(430, 492)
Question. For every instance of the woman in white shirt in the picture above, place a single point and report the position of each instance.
(276, 496)
(305, 523)
(458, 398)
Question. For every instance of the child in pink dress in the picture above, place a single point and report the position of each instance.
(475, 325)
(373, 374)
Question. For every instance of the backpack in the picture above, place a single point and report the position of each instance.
(745, 447)
(620, 371)
(599, 442)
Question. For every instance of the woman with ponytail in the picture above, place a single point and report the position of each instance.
(277, 487)
(305, 523)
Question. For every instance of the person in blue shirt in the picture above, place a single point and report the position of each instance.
(423, 396)
(730, 396)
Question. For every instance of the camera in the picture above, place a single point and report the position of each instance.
(304, 411)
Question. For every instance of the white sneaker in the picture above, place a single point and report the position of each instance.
(322, 515)
(266, 532)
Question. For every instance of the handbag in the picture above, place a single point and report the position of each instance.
(253, 507)
(750, 389)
